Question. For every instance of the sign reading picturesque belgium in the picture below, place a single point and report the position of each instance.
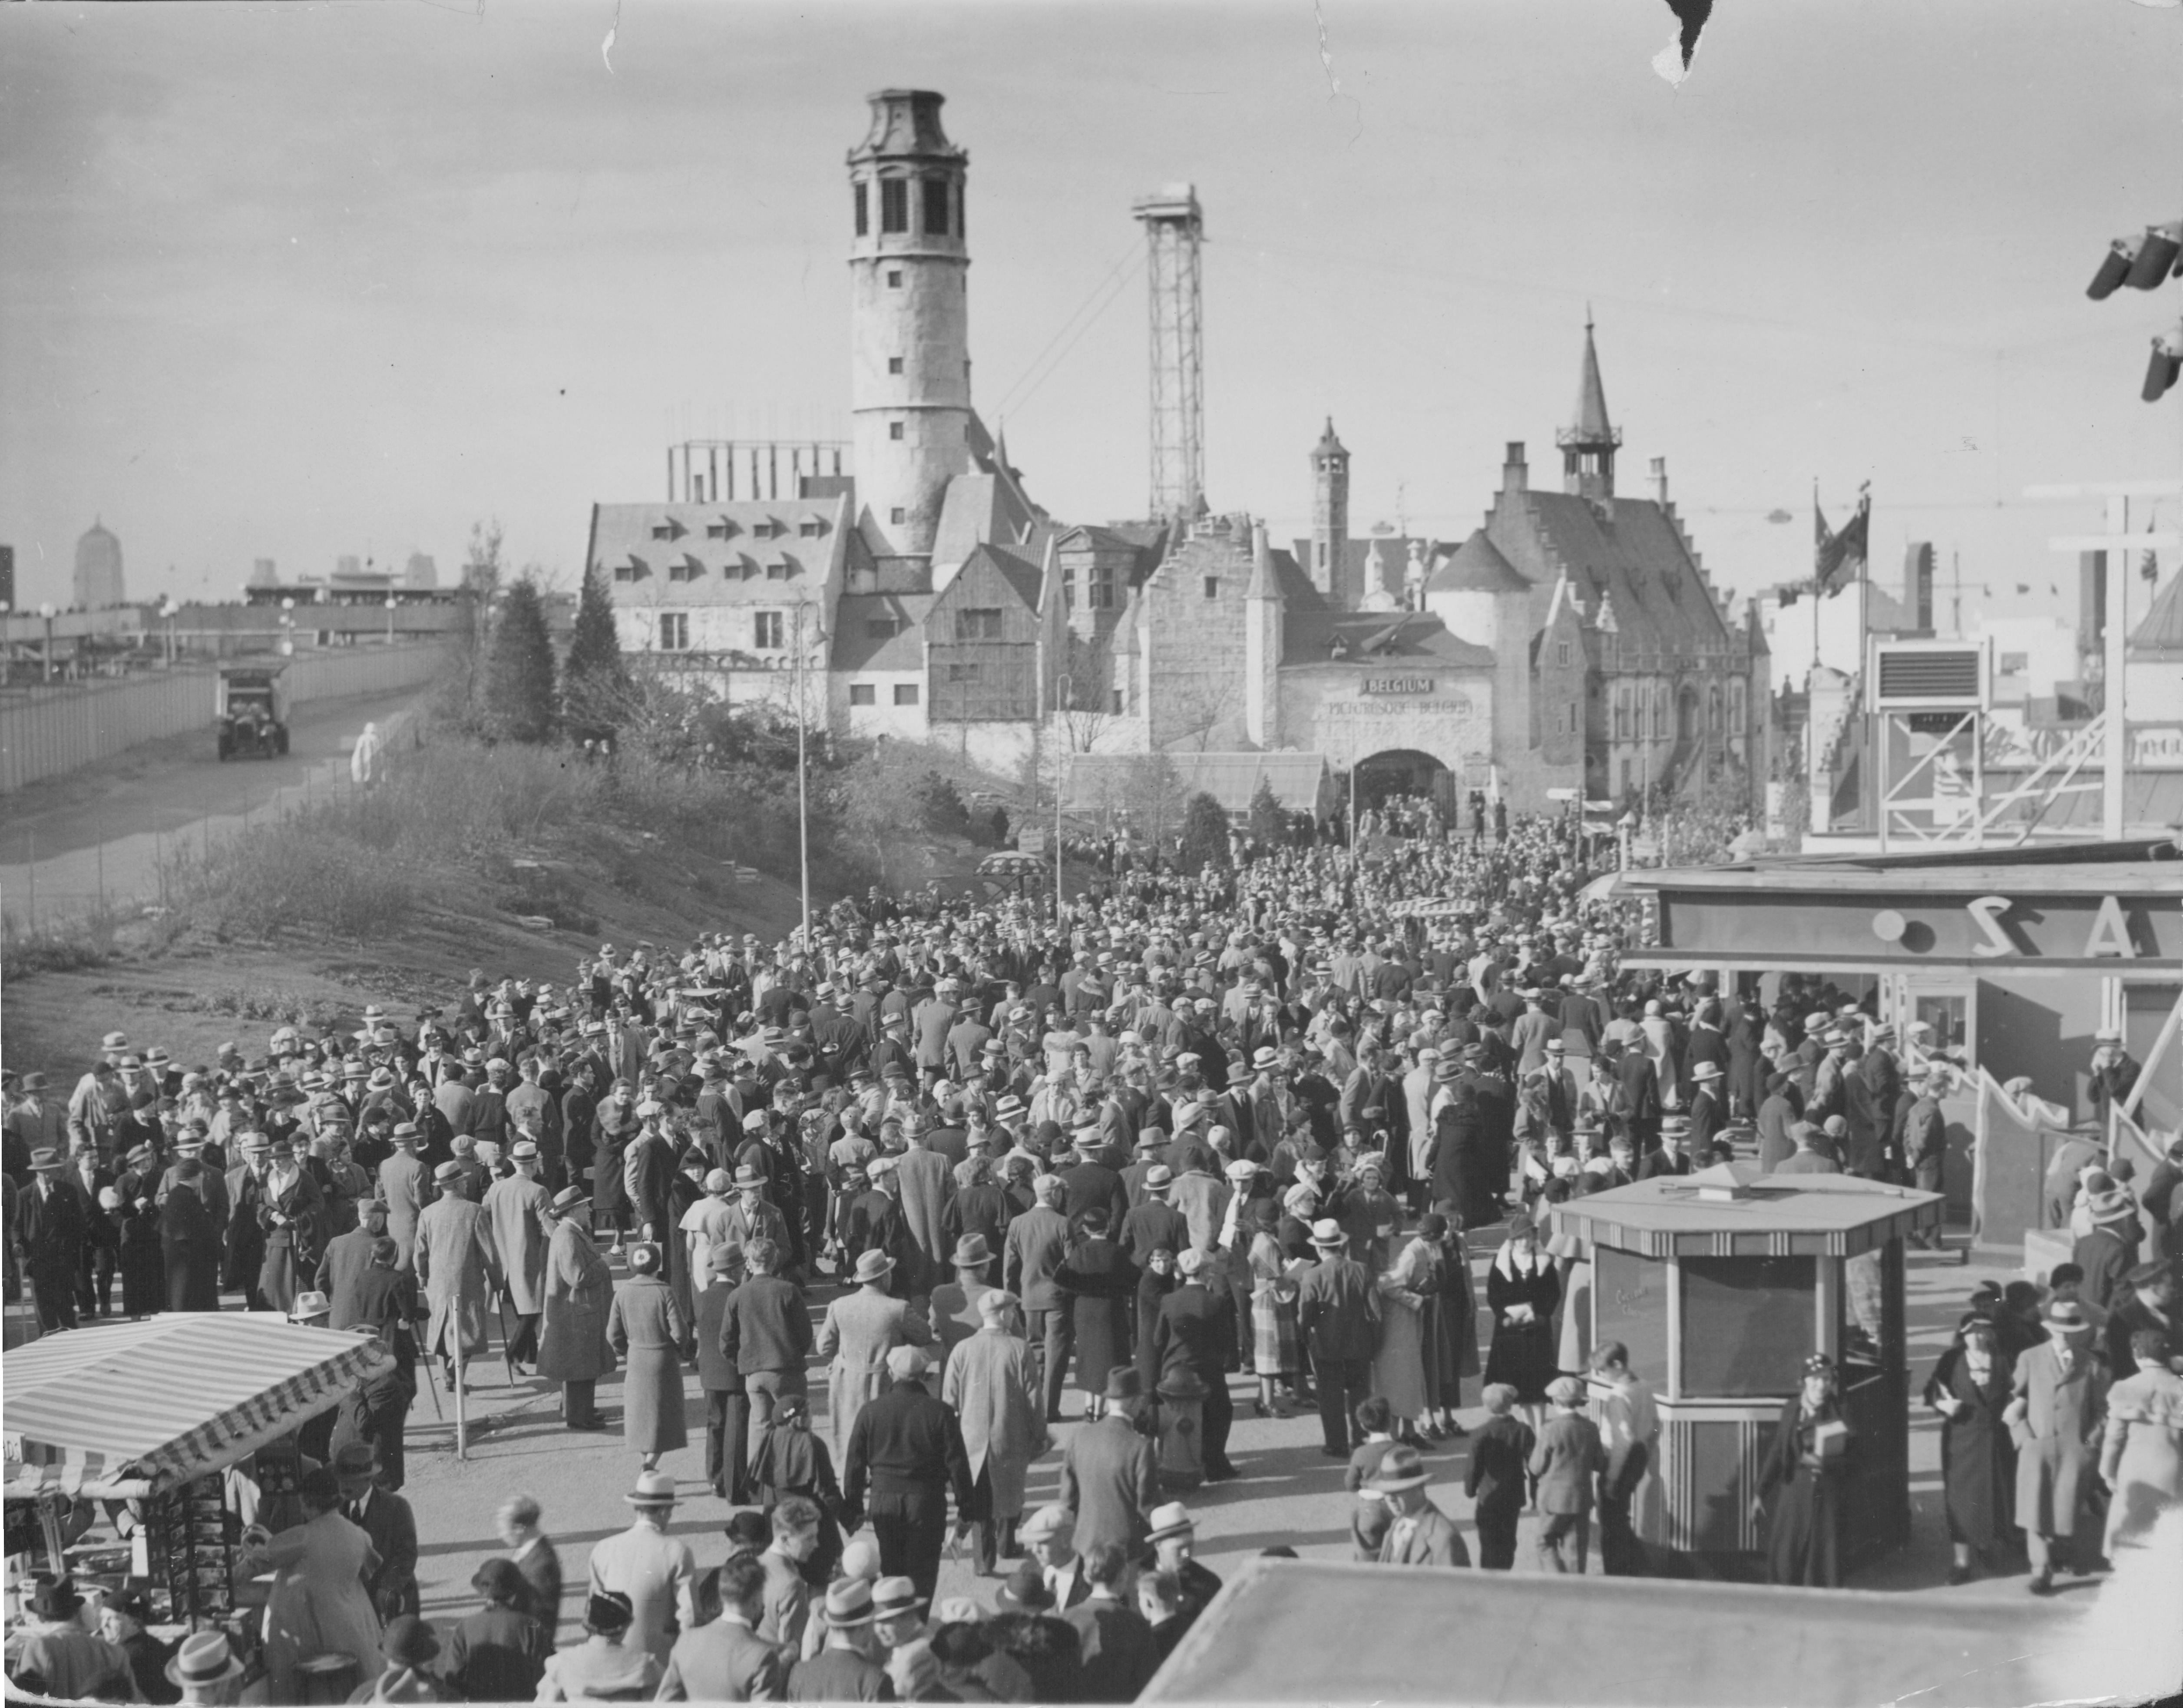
(1399, 685)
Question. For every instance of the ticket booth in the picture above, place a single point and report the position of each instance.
(1721, 1283)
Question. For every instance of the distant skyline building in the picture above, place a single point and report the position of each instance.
(97, 583)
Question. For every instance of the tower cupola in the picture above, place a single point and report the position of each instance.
(1588, 446)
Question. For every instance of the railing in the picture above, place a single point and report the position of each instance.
(47, 732)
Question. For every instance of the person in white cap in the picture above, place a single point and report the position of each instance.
(1174, 1537)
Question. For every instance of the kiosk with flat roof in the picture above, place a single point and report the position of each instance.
(1721, 1283)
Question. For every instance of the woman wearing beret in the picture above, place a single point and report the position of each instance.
(1800, 1483)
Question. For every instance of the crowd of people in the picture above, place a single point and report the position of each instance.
(1301, 1120)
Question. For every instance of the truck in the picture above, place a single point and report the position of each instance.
(251, 711)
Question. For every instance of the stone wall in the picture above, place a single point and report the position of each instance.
(1349, 713)
(1195, 638)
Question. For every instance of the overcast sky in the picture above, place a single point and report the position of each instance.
(293, 281)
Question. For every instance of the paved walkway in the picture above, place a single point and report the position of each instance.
(1287, 1492)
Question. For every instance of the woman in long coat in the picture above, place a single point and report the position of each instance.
(1800, 1486)
(1451, 1326)
(1521, 1291)
(860, 1329)
(1398, 1368)
(646, 1326)
(1101, 1287)
(144, 1270)
(2142, 1452)
(1969, 1388)
(318, 1605)
(988, 1381)
(579, 1298)
(289, 1214)
(189, 1246)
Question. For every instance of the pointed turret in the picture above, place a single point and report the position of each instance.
(1329, 519)
(1588, 446)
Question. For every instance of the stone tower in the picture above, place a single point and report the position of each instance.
(909, 383)
(1329, 519)
(1588, 446)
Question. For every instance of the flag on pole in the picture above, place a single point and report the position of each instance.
(1839, 558)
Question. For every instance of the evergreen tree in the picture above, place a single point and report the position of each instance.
(519, 687)
(596, 692)
(1269, 824)
(1204, 833)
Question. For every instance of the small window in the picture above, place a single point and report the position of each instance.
(935, 206)
(766, 628)
(1572, 717)
(1117, 708)
(1069, 586)
(864, 210)
(1103, 587)
(894, 364)
(897, 515)
(894, 278)
(881, 628)
(810, 528)
(894, 209)
(779, 571)
(689, 569)
(665, 530)
(633, 570)
(674, 632)
(981, 624)
(863, 694)
(1562, 654)
(1212, 586)
(1322, 555)
(905, 693)
(720, 529)
(894, 430)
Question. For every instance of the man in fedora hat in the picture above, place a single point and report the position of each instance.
(2109, 1251)
(954, 1305)
(654, 1569)
(849, 1668)
(59, 1658)
(51, 1228)
(1173, 1534)
(1196, 1331)
(727, 1408)
(405, 1187)
(1110, 1472)
(206, 1669)
(1154, 1221)
(1036, 1248)
(906, 1447)
(387, 1520)
(1338, 1316)
(860, 1329)
(2057, 1417)
(460, 1271)
(518, 1209)
(1419, 1533)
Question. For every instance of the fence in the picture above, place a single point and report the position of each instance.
(46, 732)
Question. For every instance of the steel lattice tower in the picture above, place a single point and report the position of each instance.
(1175, 226)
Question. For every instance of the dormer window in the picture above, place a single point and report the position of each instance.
(689, 569)
(811, 528)
(668, 530)
(719, 528)
(635, 570)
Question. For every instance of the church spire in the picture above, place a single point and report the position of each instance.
(1588, 446)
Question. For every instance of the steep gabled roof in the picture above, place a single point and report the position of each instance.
(1592, 425)
(722, 549)
(1021, 575)
(856, 648)
(1477, 567)
(1632, 553)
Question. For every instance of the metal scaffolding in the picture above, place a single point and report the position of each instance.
(1174, 226)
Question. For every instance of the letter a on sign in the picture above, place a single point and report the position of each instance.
(1985, 914)
(2110, 932)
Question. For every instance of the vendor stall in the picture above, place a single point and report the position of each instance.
(1721, 1283)
(144, 1417)
(2009, 961)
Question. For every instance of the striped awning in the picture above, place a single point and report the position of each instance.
(133, 1407)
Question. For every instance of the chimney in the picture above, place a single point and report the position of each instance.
(1514, 475)
(1660, 481)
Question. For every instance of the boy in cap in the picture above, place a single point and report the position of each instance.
(1566, 1463)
